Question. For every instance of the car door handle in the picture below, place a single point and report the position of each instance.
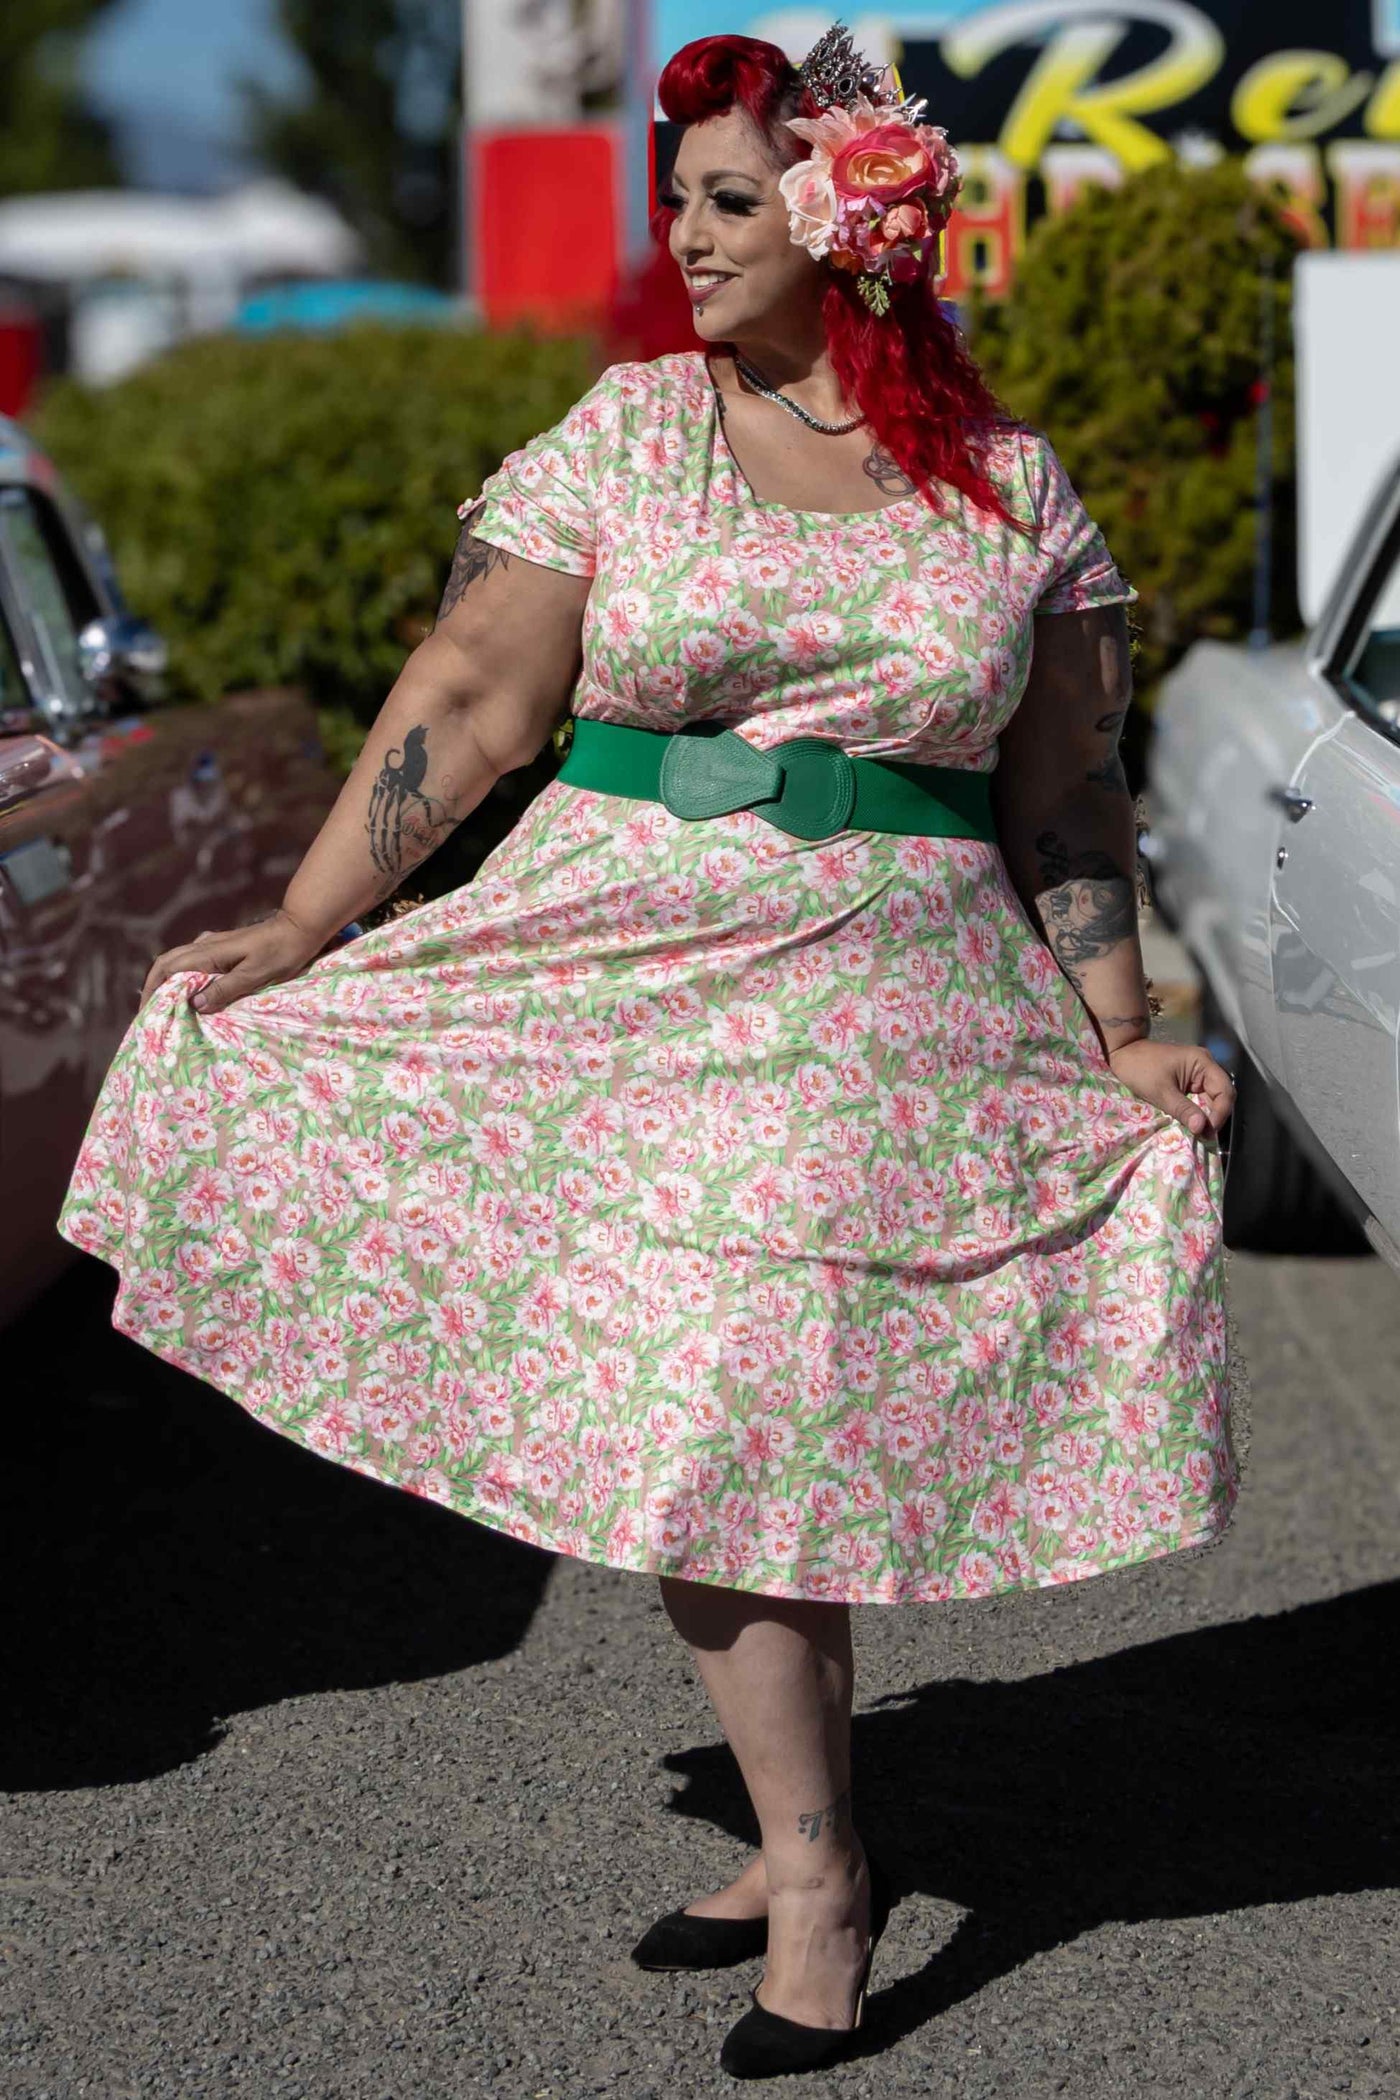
(1294, 805)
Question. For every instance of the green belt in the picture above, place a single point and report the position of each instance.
(806, 785)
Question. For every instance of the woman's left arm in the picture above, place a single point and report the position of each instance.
(1069, 839)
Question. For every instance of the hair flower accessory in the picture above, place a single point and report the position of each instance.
(881, 182)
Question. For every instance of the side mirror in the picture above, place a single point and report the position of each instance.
(124, 651)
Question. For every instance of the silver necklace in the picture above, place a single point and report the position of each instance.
(794, 408)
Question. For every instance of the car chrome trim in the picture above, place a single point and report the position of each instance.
(1334, 642)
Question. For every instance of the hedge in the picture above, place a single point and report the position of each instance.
(284, 509)
(1133, 338)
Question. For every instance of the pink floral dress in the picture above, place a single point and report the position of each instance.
(680, 1194)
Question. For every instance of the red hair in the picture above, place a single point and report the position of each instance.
(907, 370)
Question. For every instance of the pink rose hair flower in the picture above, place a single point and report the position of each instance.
(875, 194)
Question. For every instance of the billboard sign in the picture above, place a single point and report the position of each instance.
(1043, 96)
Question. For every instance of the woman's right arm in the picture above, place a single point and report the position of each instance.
(477, 698)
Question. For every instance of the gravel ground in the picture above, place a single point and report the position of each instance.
(316, 1792)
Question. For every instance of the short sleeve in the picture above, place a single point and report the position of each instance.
(1079, 571)
(542, 501)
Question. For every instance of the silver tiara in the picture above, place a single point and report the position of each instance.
(834, 73)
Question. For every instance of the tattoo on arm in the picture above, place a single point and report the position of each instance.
(403, 822)
(1109, 772)
(886, 473)
(1086, 903)
(472, 559)
(815, 1820)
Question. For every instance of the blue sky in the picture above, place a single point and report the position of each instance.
(174, 63)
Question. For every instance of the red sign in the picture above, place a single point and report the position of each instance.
(544, 224)
(21, 348)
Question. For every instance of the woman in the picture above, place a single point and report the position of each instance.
(755, 1176)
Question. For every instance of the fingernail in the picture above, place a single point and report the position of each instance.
(200, 999)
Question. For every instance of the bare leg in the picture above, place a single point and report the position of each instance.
(746, 1896)
(781, 1678)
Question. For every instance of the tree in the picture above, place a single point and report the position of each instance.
(378, 130)
(1133, 337)
(50, 136)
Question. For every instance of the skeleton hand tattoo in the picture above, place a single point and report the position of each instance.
(401, 816)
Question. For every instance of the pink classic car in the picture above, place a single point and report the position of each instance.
(127, 825)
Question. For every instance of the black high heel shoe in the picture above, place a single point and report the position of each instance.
(764, 2045)
(681, 1941)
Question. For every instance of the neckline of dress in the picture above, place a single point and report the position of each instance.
(719, 443)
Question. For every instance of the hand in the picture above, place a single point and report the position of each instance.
(240, 962)
(1167, 1073)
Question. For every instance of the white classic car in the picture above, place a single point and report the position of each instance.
(1274, 852)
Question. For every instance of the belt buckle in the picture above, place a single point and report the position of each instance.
(818, 791)
(805, 786)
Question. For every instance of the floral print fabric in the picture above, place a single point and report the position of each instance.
(680, 1194)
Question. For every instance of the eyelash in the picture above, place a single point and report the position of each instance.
(729, 201)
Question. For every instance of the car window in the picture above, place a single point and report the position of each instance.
(1374, 674)
(53, 594)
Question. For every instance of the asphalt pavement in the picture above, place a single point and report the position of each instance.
(313, 1791)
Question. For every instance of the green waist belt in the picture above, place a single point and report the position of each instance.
(806, 785)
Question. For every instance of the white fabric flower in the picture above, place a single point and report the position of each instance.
(810, 197)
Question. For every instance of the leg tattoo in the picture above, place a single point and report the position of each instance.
(829, 1819)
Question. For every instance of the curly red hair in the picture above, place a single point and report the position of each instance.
(907, 370)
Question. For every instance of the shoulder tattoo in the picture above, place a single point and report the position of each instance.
(474, 558)
(886, 473)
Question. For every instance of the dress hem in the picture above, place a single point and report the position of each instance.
(834, 1588)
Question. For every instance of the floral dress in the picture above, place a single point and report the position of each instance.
(680, 1194)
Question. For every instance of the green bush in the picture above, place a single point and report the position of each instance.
(1133, 339)
(283, 509)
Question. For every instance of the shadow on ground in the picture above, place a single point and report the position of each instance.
(168, 1561)
(1213, 1771)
